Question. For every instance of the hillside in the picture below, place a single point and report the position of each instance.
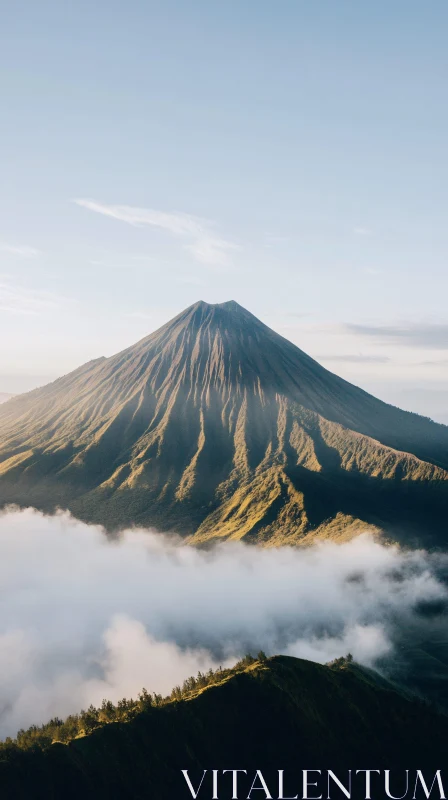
(4, 396)
(216, 426)
(283, 713)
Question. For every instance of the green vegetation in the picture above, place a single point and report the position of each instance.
(277, 713)
(58, 730)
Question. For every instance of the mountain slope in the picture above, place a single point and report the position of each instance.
(284, 713)
(214, 425)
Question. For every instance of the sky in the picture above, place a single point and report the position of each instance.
(290, 156)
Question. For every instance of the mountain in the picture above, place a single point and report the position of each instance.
(283, 713)
(216, 426)
(4, 396)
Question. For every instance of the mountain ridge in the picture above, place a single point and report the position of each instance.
(216, 426)
(282, 713)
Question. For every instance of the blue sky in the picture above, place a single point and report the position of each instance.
(291, 156)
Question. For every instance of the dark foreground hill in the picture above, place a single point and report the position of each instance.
(283, 713)
(215, 426)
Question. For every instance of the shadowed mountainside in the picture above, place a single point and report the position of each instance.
(283, 713)
(216, 426)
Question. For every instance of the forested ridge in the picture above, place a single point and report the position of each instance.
(275, 713)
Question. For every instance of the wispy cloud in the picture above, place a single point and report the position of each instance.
(211, 250)
(23, 300)
(355, 359)
(441, 362)
(19, 250)
(412, 334)
(362, 231)
(198, 234)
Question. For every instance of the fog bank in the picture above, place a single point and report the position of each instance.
(83, 618)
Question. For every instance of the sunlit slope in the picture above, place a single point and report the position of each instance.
(281, 714)
(214, 425)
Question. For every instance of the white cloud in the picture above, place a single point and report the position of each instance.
(355, 358)
(198, 234)
(19, 250)
(430, 335)
(361, 231)
(84, 618)
(127, 659)
(210, 250)
(369, 642)
(22, 300)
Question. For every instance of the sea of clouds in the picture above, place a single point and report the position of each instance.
(84, 617)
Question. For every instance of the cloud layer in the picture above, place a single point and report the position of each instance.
(16, 299)
(23, 251)
(351, 358)
(83, 617)
(198, 234)
(413, 334)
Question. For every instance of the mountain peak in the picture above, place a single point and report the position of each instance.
(229, 305)
(215, 425)
(220, 316)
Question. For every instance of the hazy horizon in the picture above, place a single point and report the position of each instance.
(428, 400)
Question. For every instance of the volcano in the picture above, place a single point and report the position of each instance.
(215, 426)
